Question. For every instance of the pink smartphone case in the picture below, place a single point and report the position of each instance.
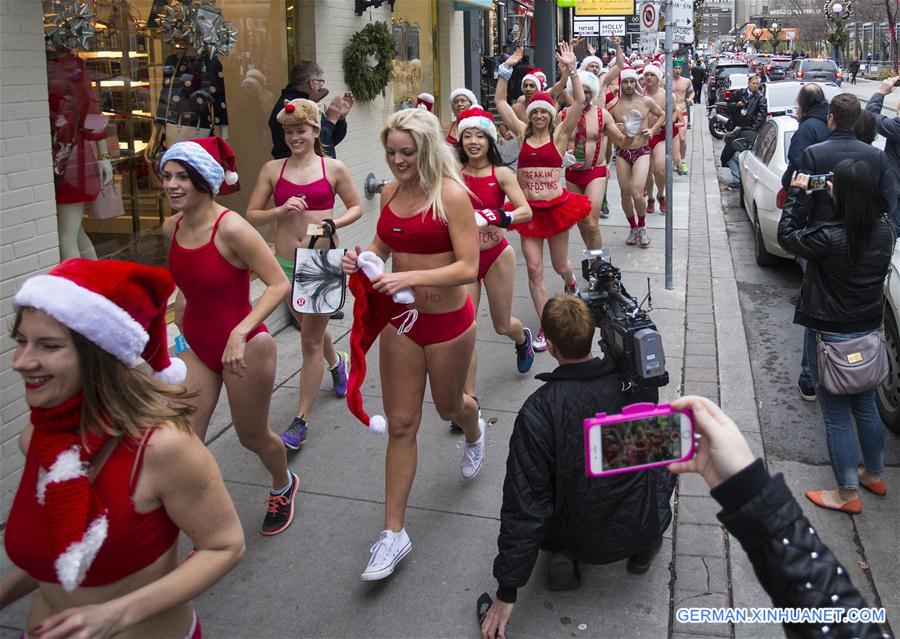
(643, 410)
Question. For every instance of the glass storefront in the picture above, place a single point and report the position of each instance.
(119, 97)
(413, 70)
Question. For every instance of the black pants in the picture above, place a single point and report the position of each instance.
(698, 87)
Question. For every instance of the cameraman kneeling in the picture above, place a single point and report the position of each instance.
(548, 501)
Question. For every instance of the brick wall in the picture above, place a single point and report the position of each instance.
(28, 232)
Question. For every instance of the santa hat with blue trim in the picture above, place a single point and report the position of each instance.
(476, 118)
(212, 158)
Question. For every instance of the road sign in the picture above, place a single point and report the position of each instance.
(683, 13)
(610, 28)
(633, 24)
(604, 7)
(649, 16)
(647, 43)
(586, 26)
(683, 35)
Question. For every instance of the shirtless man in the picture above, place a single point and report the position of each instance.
(634, 156)
(534, 81)
(684, 95)
(654, 89)
(589, 174)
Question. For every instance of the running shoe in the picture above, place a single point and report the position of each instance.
(339, 374)
(387, 552)
(525, 353)
(682, 169)
(456, 428)
(604, 208)
(643, 237)
(473, 455)
(539, 344)
(295, 435)
(632, 237)
(650, 203)
(663, 205)
(280, 511)
(571, 288)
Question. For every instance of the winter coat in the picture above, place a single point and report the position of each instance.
(792, 564)
(548, 501)
(330, 134)
(890, 129)
(812, 130)
(755, 109)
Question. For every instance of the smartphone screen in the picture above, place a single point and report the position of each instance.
(818, 182)
(636, 443)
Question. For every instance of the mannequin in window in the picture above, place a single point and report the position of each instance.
(79, 171)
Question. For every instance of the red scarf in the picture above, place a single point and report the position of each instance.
(75, 514)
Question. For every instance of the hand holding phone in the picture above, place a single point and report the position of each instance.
(643, 436)
(819, 182)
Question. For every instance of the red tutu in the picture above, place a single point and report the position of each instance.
(549, 217)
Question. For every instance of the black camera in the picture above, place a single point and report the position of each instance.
(628, 335)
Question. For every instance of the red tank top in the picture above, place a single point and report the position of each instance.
(319, 194)
(542, 157)
(217, 295)
(422, 233)
(451, 140)
(135, 539)
(486, 191)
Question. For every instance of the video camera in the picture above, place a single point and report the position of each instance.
(628, 335)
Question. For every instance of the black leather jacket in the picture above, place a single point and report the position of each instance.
(792, 564)
(548, 501)
(837, 295)
(755, 109)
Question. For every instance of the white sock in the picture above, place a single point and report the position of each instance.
(281, 491)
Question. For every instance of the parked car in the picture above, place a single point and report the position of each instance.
(887, 396)
(781, 97)
(776, 67)
(723, 69)
(820, 69)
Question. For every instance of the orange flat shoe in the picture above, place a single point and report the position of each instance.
(875, 487)
(853, 507)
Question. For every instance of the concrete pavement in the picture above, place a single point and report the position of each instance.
(864, 89)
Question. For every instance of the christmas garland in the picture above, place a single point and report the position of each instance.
(365, 81)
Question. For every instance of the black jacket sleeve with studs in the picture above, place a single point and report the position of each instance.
(794, 566)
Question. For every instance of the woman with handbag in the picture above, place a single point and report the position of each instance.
(841, 304)
(303, 187)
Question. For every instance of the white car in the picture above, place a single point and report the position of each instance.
(762, 166)
(781, 97)
(887, 396)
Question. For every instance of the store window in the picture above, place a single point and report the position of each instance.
(413, 68)
(122, 88)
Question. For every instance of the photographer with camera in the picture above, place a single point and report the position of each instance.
(548, 501)
(751, 115)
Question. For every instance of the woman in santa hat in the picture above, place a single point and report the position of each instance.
(427, 228)
(303, 188)
(113, 472)
(554, 209)
(460, 100)
(490, 184)
(212, 252)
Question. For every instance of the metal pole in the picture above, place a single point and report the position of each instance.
(670, 106)
(545, 38)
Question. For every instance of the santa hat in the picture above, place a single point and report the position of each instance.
(628, 73)
(212, 158)
(540, 100)
(463, 91)
(588, 59)
(589, 81)
(652, 69)
(371, 313)
(476, 118)
(535, 76)
(425, 101)
(119, 306)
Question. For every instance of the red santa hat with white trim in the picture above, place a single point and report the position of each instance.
(425, 101)
(464, 92)
(537, 76)
(476, 118)
(119, 306)
(212, 158)
(541, 100)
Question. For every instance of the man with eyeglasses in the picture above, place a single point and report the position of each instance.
(308, 81)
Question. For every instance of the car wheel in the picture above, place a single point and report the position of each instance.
(717, 128)
(741, 196)
(887, 396)
(763, 257)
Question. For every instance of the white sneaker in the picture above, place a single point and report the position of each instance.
(643, 237)
(539, 343)
(632, 237)
(387, 552)
(473, 455)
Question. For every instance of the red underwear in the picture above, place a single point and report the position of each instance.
(194, 632)
(661, 137)
(488, 256)
(582, 178)
(633, 155)
(433, 328)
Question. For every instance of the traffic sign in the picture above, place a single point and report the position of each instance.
(649, 17)
(683, 13)
(683, 35)
(647, 43)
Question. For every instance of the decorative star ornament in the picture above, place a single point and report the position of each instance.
(71, 28)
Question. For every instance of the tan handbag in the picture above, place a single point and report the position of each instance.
(108, 202)
(854, 366)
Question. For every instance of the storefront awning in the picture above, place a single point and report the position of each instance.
(473, 5)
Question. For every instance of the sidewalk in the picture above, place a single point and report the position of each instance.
(305, 582)
(863, 89)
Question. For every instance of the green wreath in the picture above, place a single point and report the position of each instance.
(365, 81)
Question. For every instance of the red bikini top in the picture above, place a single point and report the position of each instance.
(422, 233)
(543, 157)
(451, 140)
(486, 191)
(319, 194)
(135, 539)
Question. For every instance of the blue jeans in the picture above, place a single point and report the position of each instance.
(735, 170)
(836, 412)
(805, 377)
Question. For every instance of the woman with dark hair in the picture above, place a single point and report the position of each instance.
(866, 129)
(490, 184)
(210, 257)
(113, 472)
(812, 114)
(303, 188)
(842, 298)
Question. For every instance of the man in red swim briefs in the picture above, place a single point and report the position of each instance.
(655, 90)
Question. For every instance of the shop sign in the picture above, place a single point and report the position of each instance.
(604, 7)
(610, 28)
(633, 24)
(565, 4)
(586, 26)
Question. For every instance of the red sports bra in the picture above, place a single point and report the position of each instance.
(451, 140)
(319, 194)
(543, 157)
(135, 539)
(486, 191)
(422, 233)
